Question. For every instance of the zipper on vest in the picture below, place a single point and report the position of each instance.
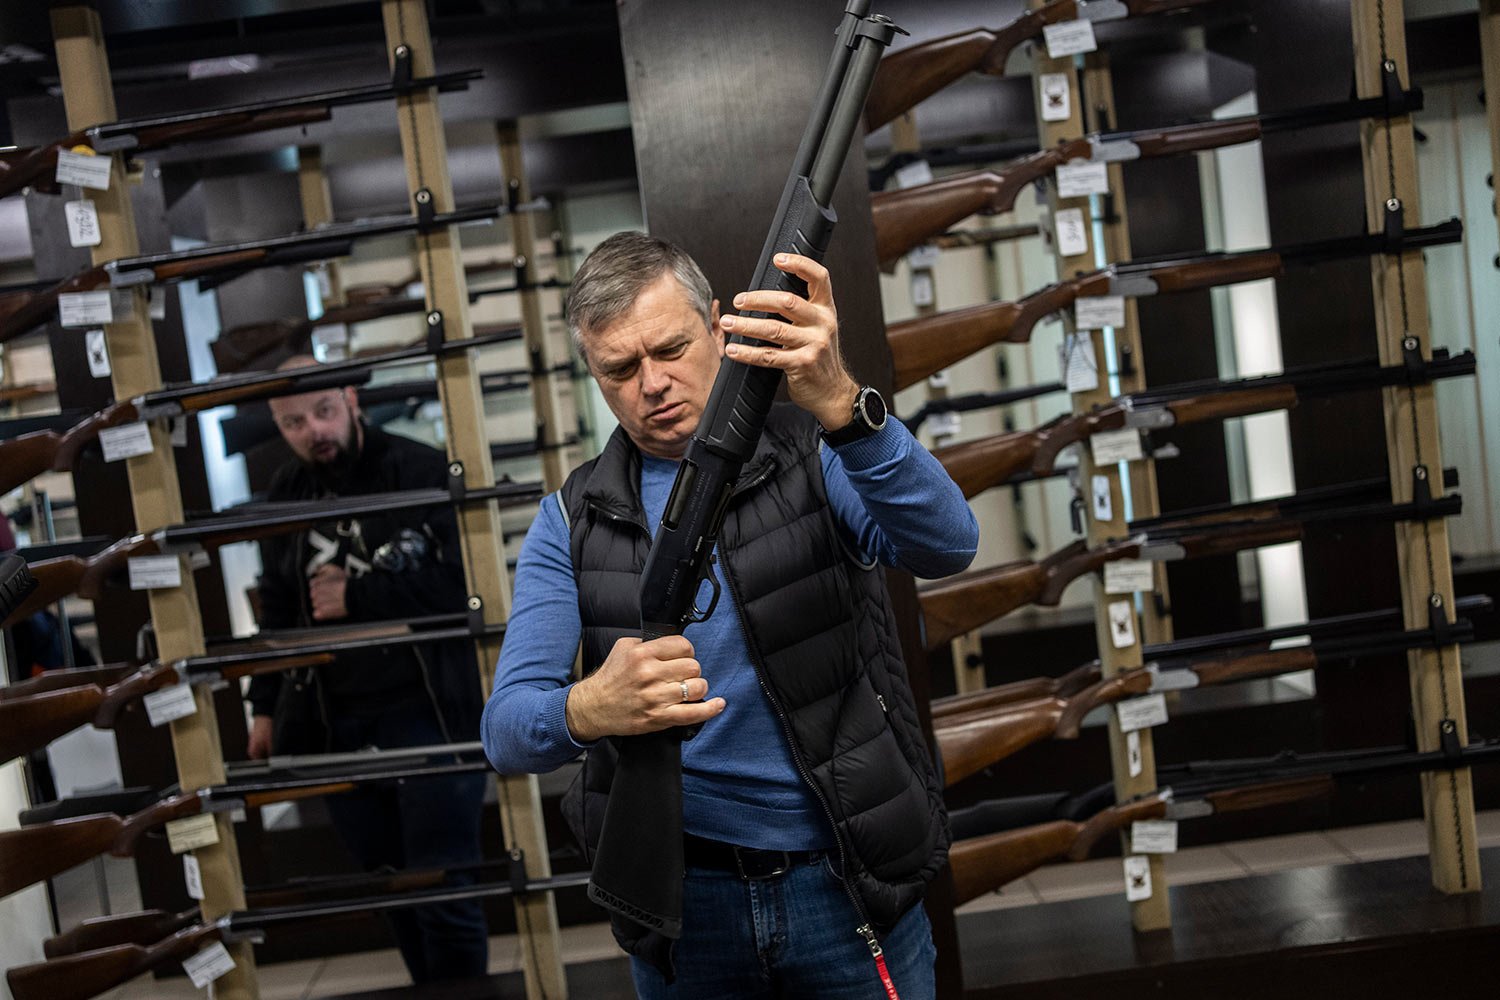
(786, 728)
(619, 518)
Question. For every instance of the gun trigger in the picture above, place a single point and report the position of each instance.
(701, 616)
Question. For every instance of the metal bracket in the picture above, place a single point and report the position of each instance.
(1395, 226)
(517, 871)
(423, 201)
(512, 194)
(1448, 743)
(436, 335)
(457, 488)
(1444, 632)
(1412, 360)
(1075, 514)
(1421, 492)
(1163, 610)
(474, 610)
(522, 267)
(401, 75)
(1392, 92)
(1125, 363)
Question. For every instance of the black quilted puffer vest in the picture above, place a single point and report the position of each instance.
(822, 636)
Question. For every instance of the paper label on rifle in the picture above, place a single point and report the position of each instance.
(155, 572)
(192, 876)
(213, 962)
(88, 170)
(83, 223)
(126, 441)
(921, 289)
(1123, 445)
(913, 174)
(923, 257)
(170, 704)
(1153, 836)
(1069, 38)
(1137, 878)
(1072, 237)
(1133, 759)
(98, 353)
(1079, 180)
(85, 308)
(1121, 624)
(1141, 713)
(1128, 576)
(192, 832)
(1079, 363)
(1056, 96)
(1095, 312)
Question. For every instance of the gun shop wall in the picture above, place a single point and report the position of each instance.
(633, 116)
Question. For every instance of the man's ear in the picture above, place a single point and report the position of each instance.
(714, 329)
(351, 396)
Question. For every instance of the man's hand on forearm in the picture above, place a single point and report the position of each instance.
(326, 591)
(642, 687)
(805, 346)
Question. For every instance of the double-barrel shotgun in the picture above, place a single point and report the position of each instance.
(36, 166)
(928, 344)
(29, 455)
(989, 461)
(58, 702)
(910, 75)
(907, 218)
(964, 602)
(87, 576)
(21, 311)
(40, 851)
(977, 401)
(972, 740)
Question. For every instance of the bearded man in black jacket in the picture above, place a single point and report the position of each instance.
(376, 568)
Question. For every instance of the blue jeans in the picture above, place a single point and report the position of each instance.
(793, 935)
(418, 823)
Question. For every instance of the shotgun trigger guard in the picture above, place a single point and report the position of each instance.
(701, 616)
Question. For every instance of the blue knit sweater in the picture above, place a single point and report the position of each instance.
(895, 504)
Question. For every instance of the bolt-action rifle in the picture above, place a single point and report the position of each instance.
(87, 577)
(972, 740)
(928, 344)
(36, 166)
(911, 75)
(964, 602)
(29, 455)
(638, 867)
(987, 462)
(907, 218)
(21, 311)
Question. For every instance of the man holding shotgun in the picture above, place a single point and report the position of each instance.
(376, 569)
(812, 816)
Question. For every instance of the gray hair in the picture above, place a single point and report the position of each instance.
(616, 272)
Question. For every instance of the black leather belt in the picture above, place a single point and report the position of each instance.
(748, 863)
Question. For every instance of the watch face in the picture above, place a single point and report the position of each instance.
(873, 406)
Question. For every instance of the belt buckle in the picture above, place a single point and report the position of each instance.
(782, 868)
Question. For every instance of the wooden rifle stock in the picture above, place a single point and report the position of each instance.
(984, 864)
(65, 575)
(57, 680)
(970, 743)
(1065, 686)
(90, 973)
(983, 463)
(143, 928)
(28, 456)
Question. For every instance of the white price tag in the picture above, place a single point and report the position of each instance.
(1103, 497)
(126, 441)
(1153, 836)
(324, 280)
(1072, 237)
(1079, 180)
(1121, 624)
(924, 256)
(1127, 576)
(98, 353)
(85, 308)
(192, 876)
(1141, 713)
(1095, 312)
(1069, 38)
(1056, 96)
(913, 174)
(1137, 878)
(946, 424)
(1123, 445)
(1133, 759)
(212, 963)
(191, 833)
(1079, 363)
(922, 293)
(156, 302)
(155, 572)
(169, 704)
(88, 170)
(83, 223)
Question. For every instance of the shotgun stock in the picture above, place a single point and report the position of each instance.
(1065, 686)
(57, 680)
(143, 928)
(90, 973)
(970, 743)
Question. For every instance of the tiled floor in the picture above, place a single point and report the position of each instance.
(77, 894)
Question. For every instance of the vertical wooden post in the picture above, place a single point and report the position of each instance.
(544, 395)
(1132, 757)
(1416, 461)
(88, 96)
(426, 153)
(1489, 58)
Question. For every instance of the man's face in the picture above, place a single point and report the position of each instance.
(655, 366)
(320, 427)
